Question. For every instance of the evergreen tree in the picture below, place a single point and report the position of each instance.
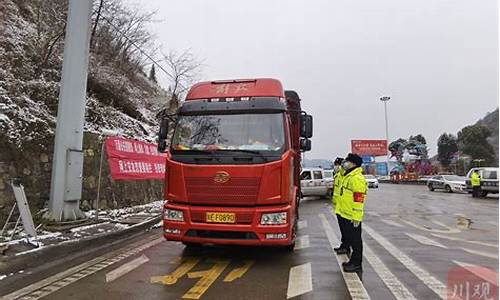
(152, 74)
(447, 147)
(473, 140)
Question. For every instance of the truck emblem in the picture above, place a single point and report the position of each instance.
(221, 177)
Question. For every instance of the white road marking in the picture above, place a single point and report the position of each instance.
(302, 224)
(425, 240)
(435, 285)
(398, 290)
(464, 240)
(352, 281)
(299, 280)
(449, 229)
(481, 253)
(482, 272)
(302, 242)
(53, 283)
(125, 268)
(392, 223)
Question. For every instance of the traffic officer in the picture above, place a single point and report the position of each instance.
(475, 181)
(337, 185)
(353, 194)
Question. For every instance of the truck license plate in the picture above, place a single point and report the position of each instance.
(214, 217)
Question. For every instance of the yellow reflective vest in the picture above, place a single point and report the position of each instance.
(337, 182)
(353, 195)
(475, 180)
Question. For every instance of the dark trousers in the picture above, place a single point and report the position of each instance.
(476, 191)
(356, 243)
(343, 234)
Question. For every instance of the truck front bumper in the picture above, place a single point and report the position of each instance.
(251, 233)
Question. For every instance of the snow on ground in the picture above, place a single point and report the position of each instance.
(110, 222)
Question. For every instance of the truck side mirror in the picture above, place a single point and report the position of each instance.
(162, 135)
(305, 145)
(306, 125)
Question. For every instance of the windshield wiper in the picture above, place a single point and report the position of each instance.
(258, 153)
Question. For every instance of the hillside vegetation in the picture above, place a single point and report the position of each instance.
(119, 94)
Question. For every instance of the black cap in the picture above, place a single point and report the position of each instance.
(354, 158)
(338, 161)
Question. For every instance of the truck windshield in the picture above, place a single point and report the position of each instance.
(256, 132)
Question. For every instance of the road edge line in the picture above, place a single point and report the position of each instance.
(353, 282)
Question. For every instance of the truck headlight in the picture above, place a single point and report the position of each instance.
(173, 215)
(273, 219)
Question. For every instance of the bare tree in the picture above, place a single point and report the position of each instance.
(183, 70)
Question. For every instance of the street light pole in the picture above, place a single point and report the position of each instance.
(385, 99)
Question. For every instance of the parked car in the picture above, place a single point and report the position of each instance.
(449, 183)
(489, 180)
(328, 175)
(372, 181)
(316, 182)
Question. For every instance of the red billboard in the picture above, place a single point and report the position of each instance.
(369, 147)
(134, 160)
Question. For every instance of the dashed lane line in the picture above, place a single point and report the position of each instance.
(464, 240)
(301, 242)
(398, 290)
(425, 240)
(482, 272)
(299, 280)
(53, 283)
(352, 281)
(448, 229)
(392, 223)
(126, 268)
(434, 284)
(481, 253)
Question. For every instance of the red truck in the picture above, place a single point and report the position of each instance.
(233, 164)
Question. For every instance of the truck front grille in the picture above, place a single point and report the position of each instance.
(203, 190)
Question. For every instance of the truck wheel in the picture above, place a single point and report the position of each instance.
(484, 194)
(431, 188)
(447, 188)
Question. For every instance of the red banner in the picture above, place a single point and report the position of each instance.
(369, 147)
(134, 160)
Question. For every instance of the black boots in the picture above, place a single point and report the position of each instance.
(351, 267)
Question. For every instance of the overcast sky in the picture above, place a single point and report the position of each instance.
(436, 59)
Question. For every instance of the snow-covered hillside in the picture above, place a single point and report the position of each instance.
(120, 96)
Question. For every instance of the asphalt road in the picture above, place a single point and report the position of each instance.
(413, 240)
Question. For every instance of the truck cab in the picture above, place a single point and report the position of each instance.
(233, 164)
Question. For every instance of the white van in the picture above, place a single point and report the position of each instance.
(316, 182)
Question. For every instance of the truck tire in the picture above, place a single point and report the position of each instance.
(431, 188)
(484, 194)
